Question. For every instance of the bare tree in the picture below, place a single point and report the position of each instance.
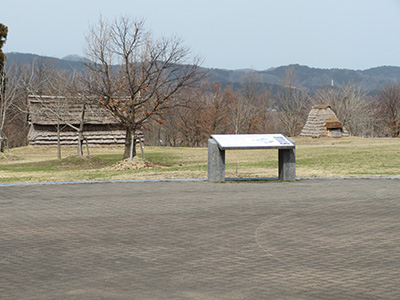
(389, 99)
(199, 112)
(195, 118)
(8, 97)
(352, 106)
(135, 76)
(246, 107)
(57, 91)
(294, 104)
(215, 114)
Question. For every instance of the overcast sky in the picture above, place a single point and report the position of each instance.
(230, 34)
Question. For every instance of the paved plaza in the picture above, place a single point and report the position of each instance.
(310, 239)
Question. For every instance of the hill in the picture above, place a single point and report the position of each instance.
(312, 78)
(67, 63)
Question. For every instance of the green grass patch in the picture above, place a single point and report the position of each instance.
(163, 158)
(109, 159)
(314, 157)
(16, 179)
(69, 163)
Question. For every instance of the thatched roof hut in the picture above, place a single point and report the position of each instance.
(322, 121)
(101, 128)
(45, 110)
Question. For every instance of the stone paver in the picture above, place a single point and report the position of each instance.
(312, 239)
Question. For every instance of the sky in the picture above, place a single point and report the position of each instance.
(228, 34)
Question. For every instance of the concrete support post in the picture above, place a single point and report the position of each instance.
(287, 164)
(216, 162)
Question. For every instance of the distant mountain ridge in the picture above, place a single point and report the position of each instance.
(313, 78)
(28, 58)
(371, 79)
(74, 57)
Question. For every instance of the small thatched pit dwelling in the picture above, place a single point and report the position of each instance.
(323, 122)
(100, 126)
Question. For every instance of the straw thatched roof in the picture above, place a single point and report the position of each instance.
(332, 123)
(322, 121)
(45, 110)
(100, 126)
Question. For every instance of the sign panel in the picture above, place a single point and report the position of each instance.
(252, 141)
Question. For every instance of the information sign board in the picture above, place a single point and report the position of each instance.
(252, 141)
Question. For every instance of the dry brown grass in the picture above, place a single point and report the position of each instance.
(314, 157)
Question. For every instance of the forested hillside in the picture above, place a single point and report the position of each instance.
(367, 102)
(370, 80)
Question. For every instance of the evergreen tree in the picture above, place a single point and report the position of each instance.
(3, 37)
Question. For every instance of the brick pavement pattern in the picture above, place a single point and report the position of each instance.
(311, 239)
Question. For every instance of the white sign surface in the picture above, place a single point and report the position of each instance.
(252, 141)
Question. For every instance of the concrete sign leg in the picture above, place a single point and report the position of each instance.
(216, 162)
(287, 164)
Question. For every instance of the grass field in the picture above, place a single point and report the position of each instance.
(314, 157)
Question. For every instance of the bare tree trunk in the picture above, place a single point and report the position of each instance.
(133, 139)
(142, 149)
(130, 144)
(80, 131)
(6, 144)
(58, 140)
(127, 143)
(80, 143)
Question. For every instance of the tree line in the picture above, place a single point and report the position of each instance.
(254, 109)
(157, 85)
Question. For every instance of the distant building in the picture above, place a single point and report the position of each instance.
(323, 122)
(100, 126)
